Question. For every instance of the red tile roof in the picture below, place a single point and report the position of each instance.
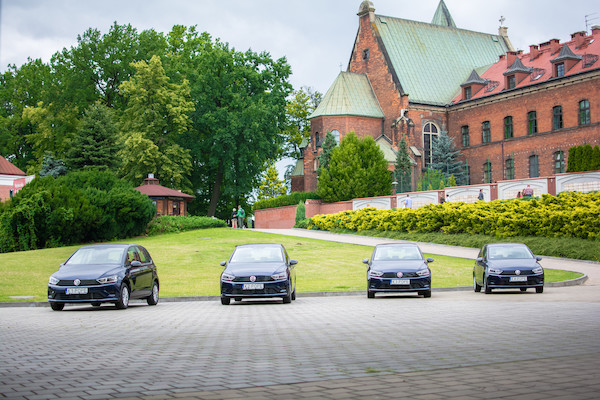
(6, 168)
(585, 48)
(153, 189)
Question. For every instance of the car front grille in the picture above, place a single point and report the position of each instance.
(258, 279)
(523, 272)
(393, 275)
(84, 282)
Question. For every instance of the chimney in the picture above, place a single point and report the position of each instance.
(595, 30)
(533, 51)
(554, 45)
(503, 33)
(367, 8)
(579, 38)
(511, 56)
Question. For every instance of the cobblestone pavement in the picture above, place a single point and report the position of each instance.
(455, 345)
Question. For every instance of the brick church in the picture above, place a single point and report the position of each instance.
(511, 114)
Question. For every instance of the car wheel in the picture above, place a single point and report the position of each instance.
(287, 299)
(370, 295)
(153, 298)
(427, 293)
(523, 289)
(57, 306)
(486, 288)
(123, 301)
(539, 289)
(294, 294)
(225, 301)
(476, 287)
(96, 304)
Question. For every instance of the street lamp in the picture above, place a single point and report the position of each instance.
(394, 184)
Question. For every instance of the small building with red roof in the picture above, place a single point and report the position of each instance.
(12, 179)
(167, 201)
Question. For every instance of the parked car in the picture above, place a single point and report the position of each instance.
(258, 271)
(398, 268)
(507, 266)
(105, 273)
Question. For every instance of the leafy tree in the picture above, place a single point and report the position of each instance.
(154, 119)
(595, 164)
(586, 157)
(52, 167)
(574, 160)
(451, 181)
(445, 158)
(270, 186)
(403, 168)
(327, 147)
(357, 168)
(301, 105)
(95, 144)
(432, 179)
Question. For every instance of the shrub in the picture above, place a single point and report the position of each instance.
(285, 200)
(178, 223)
(300, 212)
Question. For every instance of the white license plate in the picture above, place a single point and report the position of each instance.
(77, 290)
(253, 286)
(518, 279)
(400, 282)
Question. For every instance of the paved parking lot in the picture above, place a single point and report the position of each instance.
(454, 345)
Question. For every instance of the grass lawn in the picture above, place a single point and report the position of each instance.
(188, 264)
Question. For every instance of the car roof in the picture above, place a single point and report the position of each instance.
(121, 245)
(259, 245)
(505, 244)
(398, 244)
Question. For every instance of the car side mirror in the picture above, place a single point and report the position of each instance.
(539, 258)
(479, 259)
(293, 262)
(223, 263)
(366, 261)
(429, 259)
(135, 263)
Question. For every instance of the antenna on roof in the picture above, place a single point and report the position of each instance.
(587, 20)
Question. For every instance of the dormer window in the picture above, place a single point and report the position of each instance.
(467, 95)
(510, 82)
(565, 61)
(560, 70)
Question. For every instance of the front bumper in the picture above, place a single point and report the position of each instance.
(504, 282)
(385, 285)
(96, 293)
(270, 289)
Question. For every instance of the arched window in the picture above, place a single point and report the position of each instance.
(487, 172)
(430, 136)
(336, 136)
(584, 112)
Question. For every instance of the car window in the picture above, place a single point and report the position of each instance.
(257, 254)
(143, 254)
(391, 253)
(97, 255)
(509, 253)
(132, 255)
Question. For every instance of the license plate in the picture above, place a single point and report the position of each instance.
(253, 286)
(400, 282)
(77, 290)
(518, 279)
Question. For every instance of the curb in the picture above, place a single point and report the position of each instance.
(573, 282)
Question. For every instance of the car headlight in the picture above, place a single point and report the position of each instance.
(375, 274)
(53, 281)
(280, 276)
(107, 279)
(495, 271)
(538, 270)
(423, 272)
(227, 277)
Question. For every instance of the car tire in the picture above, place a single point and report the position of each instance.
(152, 300)
(370, 295)
(123, 301)
(57, 306)
(225, 301)
(294, 294)
(539, 289)
(287, 299)
(476, 287)
(486, 288)
(427, 294)
(96, 304)
(523, 289)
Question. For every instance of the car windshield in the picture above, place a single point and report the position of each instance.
(391, 253)
(508, 253)
(97, 255)
(252, 254)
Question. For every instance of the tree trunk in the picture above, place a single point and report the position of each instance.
(216, 191)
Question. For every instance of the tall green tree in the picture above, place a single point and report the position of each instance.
(444, 158)
(301, 105)
(154, 119)
(95, 144)
(270, 185)
(403, 168)
(357, 168)
(327, 147)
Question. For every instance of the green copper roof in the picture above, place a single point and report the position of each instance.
(430, 60)
(386, 147)
(442, 16)
(350, 94)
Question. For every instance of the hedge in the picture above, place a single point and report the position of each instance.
(285, 200)
(177, 223)
(570, 214)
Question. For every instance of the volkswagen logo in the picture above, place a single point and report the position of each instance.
(399, 274)
(518, 272)
(252, 278)
(76, 282)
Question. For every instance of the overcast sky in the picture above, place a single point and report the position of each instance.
(316, 36)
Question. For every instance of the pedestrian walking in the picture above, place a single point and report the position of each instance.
(480, 196)
(234, 218)
(241, 214)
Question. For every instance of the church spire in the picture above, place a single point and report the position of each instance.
(442, 16)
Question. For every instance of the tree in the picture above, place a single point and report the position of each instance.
(154, 119)
(574, 160)
(95, 144)
(52, 167)
(432, 179)
(327, 147)
(595, 164)
(270, 186)
(357, 168)
(445, 158)
(403, 168)
(300, 106)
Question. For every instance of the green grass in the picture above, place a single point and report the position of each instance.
(188, 264)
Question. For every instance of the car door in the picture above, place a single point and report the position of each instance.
(480, 265)
(136, 272)
(146, 271)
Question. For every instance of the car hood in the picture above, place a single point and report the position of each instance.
(88, 271)
(393, 266)
(261, 269)
(514, 264)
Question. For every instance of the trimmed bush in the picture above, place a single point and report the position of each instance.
(285, 200)
(178, 223)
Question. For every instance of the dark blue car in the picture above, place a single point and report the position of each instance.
(105, 273)
(507, 266)
(258, 271)
(398, 268)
